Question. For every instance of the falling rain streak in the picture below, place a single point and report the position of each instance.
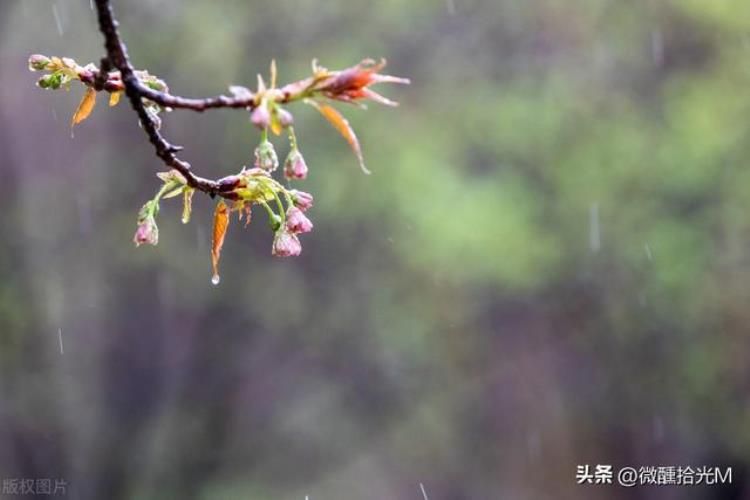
(594, 232)
(59, 337)
(58, 22)
(657, 47)
(424, 492)
(451, 5)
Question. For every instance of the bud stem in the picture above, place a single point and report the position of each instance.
(281, 206)
(288, 197)
(292, 137)
(272, 217)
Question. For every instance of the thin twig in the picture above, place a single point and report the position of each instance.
(117, 56)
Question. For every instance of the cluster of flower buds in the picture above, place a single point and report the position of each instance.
(267, 159)
(285, 242)
(268, 114)
(174, 184)
(62, 71)
(286, 208)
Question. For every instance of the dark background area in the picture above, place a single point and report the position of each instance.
(549, 267)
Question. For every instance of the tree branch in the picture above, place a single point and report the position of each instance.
(117, 56)
(171, 101)
(116, 74)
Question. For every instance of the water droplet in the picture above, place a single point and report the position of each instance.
(215, 279)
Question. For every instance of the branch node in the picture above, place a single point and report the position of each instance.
(101, 78)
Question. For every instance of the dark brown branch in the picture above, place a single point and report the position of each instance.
(103, 80)
(111, 82)
(117, 56)
(171, 101)
(100, 79)
(117, 75)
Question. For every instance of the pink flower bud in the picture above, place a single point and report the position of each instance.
(260, 117)
(285, 117)
(147, 232)
(297, 222)
(286, 244)
(301, 199)
(295, 166)
(38, 62)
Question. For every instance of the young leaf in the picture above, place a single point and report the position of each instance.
(187, 204)
(85, 107)
(175, 192)
(221, 223)
(114, 98)
(172, 176)
(276, 127)
(342, 126)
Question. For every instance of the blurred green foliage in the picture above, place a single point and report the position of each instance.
(548, 267)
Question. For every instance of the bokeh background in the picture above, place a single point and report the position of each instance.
(549, 267)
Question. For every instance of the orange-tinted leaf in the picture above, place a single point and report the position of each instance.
(276, 127)
(221, 223)
(341, 124)
(85, 107)
(114, 98)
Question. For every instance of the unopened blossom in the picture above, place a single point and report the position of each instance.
(265, 157)
(147, 231)
(295, 166)
(286, 244)
(260, 117)
(285, 117)
(297, 222)
(301, 199)
(38, 62)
